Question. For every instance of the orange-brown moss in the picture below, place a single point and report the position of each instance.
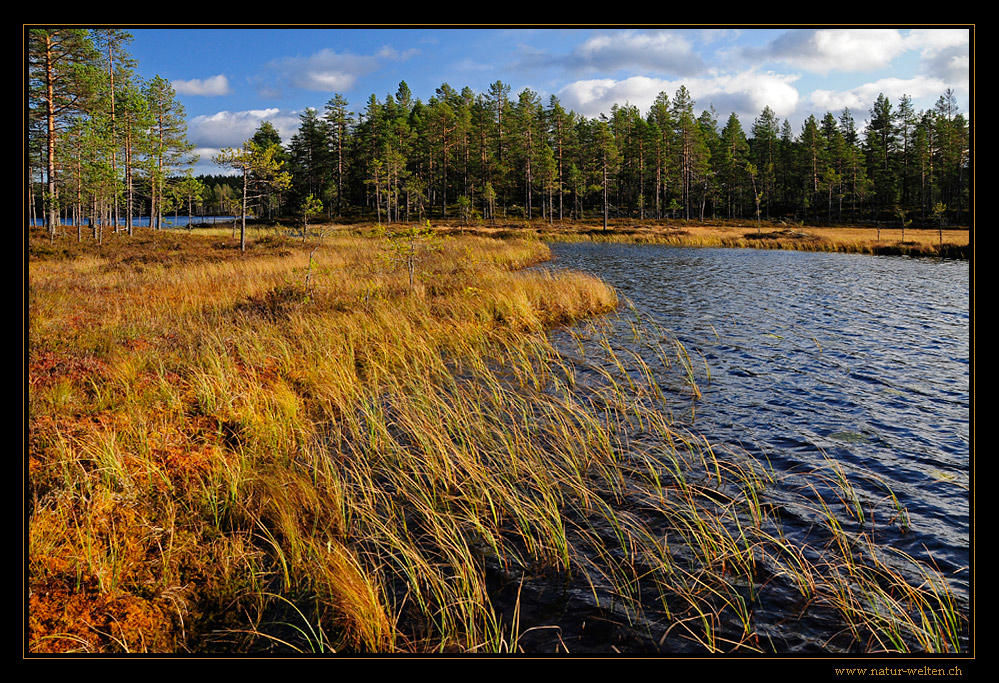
(61, 621)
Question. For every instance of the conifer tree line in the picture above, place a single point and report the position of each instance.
(103, 143)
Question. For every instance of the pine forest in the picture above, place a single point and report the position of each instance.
(106, 145)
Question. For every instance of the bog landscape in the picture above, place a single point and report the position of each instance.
(477, 374)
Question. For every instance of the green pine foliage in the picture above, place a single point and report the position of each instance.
(111, 146)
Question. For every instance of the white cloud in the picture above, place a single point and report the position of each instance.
(389, 52)
(216, 85)
(945, 53)
(860, 99)
(826, 50)
(746, 93)
(595, 96)
(324, 71)
(931, 40)
(655, 51)
(232, 129)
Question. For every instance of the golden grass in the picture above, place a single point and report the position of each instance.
(952, 242)
(171, 389)
(293, 449)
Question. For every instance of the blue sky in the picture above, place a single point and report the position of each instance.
(231, 79)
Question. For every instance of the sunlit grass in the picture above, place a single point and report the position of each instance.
(222, 458)
(952, 242)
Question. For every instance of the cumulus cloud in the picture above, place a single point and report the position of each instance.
(230, 129)
(932, 40)
(326, 70)
(861, 98)
(952, 66)
(945, 54)
(216, 85)
(665, 52)
(213, 132)
(595, 96)
(826, 50)
(746, 93)
(390, 53)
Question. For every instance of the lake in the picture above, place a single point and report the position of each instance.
(169, 221)
(808, 358)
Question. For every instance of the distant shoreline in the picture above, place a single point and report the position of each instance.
(948, 242)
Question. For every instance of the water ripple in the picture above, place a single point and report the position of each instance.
(864, 359)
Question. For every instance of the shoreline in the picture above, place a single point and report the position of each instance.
(947, 243)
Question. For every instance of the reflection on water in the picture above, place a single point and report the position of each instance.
(806, 356)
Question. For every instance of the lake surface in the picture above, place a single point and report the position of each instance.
(169, 221)
(803, 356)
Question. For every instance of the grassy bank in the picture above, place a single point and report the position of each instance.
(300, 448)
(948, 242)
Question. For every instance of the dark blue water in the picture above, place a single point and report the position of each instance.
(809, 358)
(169, 221)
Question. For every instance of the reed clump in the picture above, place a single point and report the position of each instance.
(303, 449)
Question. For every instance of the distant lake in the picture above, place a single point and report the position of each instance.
(168, 221)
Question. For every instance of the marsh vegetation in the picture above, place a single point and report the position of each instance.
(296, 448)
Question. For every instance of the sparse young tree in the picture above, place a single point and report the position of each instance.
(189, 190)
(260, 170)
(312, 207)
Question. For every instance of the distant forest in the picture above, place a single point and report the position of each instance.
(105, 145)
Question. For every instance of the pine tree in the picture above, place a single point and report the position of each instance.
(134, 121)
(559, 126)
(62, 66)
(786, 185)
(171, 152)
(953, 146)
(691, 150)
(481, 122)
(880, 144)
(261, 171)
(498, 99)
(119, 64)
(265, 136)
(732, 159)
(607, 158)
(443, 124)
(834, 173)
(308, 157)
(811, 161)
(707, 124)
(526, 142)
(341, 123)
(661, 130)
(905, 119)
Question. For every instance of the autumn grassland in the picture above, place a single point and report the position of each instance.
(299, 448)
